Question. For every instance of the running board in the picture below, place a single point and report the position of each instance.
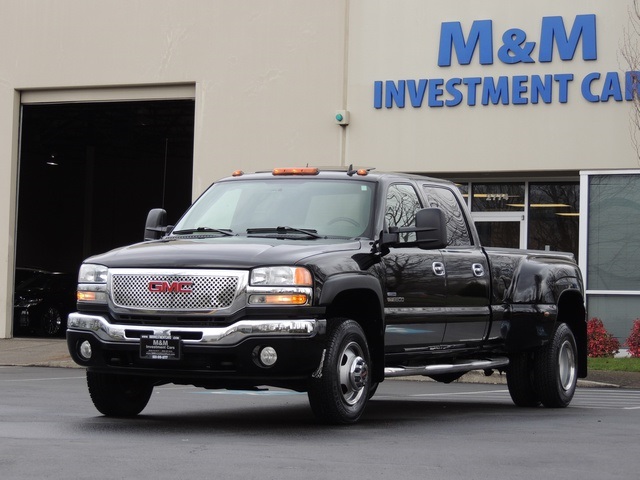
(462, 366)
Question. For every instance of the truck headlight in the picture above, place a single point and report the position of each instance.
(281, 276)
(92, 283)
(280, 286)
(91, 273)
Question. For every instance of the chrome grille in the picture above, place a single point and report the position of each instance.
(150, 291)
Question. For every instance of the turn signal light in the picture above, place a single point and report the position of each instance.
(86, 296)
(279, 299)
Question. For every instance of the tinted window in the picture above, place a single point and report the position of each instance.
(457, 230)
(402, 205)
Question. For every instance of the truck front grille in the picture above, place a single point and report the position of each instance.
(167, 292)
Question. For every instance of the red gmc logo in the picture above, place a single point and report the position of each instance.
(175, 287)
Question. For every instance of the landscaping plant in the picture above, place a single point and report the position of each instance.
(633, 341)
(600, 342)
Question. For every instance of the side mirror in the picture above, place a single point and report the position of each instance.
(431, 228)
(156, 225)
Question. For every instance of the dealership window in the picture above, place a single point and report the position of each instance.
(553, 216)
(612, 256)
(535, 215)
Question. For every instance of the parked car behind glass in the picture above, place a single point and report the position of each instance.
(43, 301)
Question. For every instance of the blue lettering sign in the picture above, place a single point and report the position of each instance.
(553, 32)
(451, 36)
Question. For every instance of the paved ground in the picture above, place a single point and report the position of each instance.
(53, 353)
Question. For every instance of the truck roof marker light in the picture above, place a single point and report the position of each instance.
(363, 172)
(296, 171)
(237, 173)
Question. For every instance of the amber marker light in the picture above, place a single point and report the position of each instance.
(279, 299)
(296, 171)
(237, 173)
(86, 296)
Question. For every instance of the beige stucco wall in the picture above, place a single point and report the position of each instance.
(399, 40)
(268, 78)
(269, 75)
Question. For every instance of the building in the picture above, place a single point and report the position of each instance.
(108, 109)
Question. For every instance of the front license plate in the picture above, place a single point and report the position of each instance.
(160, 347)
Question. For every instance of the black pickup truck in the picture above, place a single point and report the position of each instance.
(326, 282)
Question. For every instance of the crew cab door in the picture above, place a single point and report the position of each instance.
(415, 281)
(466, 270)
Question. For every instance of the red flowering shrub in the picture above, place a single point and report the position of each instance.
(600, 342)
(633, 342)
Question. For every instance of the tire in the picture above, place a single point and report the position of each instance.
(118, 395)
(50, 322)
(339, 391)
(556, 369)
(520, 380)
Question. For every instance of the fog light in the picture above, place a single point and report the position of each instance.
(85, 350)
(268, 356)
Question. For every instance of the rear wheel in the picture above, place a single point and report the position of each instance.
(339, 391)
(118, 395)
(520, 380)
(556, 369)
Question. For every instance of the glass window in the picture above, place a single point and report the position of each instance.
(554, 216)
(617, 312)
(497, 197)
(613, 244)
(329, 207)
(457, 229)
(402, 205)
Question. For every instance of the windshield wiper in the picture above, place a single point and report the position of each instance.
(189, 231)
(283, 231)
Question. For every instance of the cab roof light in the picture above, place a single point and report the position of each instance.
(237, 173)
(363, 172)
(295, 171)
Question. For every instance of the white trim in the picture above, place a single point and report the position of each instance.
(609, 172)
(109, 94)
(583, 225)
(630, 293)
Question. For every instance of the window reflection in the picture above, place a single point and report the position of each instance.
(497, 197)
(553, 216)
(614, 232)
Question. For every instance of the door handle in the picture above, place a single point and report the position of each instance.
(438, 268)
(478, 269)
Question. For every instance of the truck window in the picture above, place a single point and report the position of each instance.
(401, 208)
(445, 199)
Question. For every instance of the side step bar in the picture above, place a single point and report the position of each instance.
(462, 366)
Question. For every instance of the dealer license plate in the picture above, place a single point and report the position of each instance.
(160, 347)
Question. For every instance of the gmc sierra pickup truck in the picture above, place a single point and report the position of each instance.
(326, 282)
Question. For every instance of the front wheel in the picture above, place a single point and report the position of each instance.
(556, 369)
(118, 395)
(339, 390)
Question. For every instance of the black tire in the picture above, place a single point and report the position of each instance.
(339, 391)
(118, 395)
(556, 369)
(520, 380)
(51, 322)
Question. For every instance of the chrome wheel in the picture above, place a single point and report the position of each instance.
(353, 372)
(567, 366)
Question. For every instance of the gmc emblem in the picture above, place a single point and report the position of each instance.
(174, 287)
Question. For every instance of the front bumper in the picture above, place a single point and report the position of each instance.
(215, 357)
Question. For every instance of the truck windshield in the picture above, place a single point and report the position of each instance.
(291, 206)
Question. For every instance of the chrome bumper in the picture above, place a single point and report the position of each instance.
(230, 335)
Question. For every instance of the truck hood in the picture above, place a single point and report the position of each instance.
(220, 252)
